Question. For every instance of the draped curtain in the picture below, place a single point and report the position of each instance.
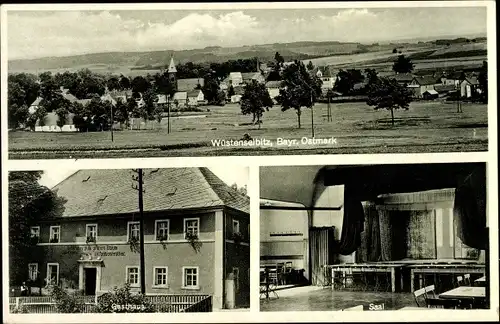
(470, 210)
(352, 224)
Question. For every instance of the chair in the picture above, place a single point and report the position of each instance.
(430, 290)
(419, 293)
(460, 281)
(467, 281)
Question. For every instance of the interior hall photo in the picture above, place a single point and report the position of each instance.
(374, 237)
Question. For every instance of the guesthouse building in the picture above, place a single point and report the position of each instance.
(196, 234)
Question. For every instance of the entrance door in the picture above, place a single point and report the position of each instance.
(90, 281)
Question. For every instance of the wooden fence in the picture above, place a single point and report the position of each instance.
(161, 304)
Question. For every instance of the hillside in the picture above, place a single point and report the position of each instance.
(323, 53)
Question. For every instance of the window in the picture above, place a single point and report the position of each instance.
(191, 226)
(190, 278)
(162, 230)
(33, 271)
(133, 230)
(35, 232)
(236, 226)
(52, 273)
(160, 275)
(55, 234)
(91, 232)
(133, 276)
(236, 274)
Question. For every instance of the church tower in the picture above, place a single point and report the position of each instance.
(172, 73)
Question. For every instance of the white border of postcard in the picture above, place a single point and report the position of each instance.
(254, 161)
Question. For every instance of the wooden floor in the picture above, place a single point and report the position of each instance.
(328, 300)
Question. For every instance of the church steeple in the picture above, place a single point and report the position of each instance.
(171, 66)
(172, 72)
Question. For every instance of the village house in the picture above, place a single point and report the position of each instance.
(328, 77)
(195, 98)
(196, 232)
(180, 99)
(469, 87)
(50, 124)
(403, 79)
(421, 84)
(249, 77)
(238, 93)
(273, 87)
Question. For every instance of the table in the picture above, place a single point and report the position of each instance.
(371, 267)
(443, 268)
(481, 282)
(465, 292)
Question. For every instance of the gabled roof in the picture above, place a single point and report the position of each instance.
(51, 119)
(110, 192)
(426, 80)
(36, 102)
(472, 80)
(235, 75)
(189, 84)
(171, 66)
(432, 92)
(193, 93)
(248, 76)
(444, 87)
(239, 90)
(273, 84)
(182, 95)
(403, 77)
(162, 99)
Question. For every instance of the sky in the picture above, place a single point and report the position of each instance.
(32, 34)
(228, 174)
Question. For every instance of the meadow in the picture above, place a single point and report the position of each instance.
(357, 128)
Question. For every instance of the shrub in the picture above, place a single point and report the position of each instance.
(66, 302)
(121, 300)
(21, 309)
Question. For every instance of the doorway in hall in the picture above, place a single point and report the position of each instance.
(90, 279)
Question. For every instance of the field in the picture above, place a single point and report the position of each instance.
(356, 128)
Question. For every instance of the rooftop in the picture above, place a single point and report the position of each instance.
(110, 192)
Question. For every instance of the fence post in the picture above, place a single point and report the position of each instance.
(18, 299)
(230, 292)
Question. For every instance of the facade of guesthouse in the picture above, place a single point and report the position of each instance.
(196, 234)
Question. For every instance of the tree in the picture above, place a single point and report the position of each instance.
(62, 114)
(346, 79)
(113, 84)
(483, 82)
(279, 59)
(29, 202)
(48, 86)
(27, 88)
(122, 113)
(298, 89)
(403, 65)
(230, 91)
(310, 66)
(255, 101)
(150, 98)
(388, 94)
(212, 91)
(124, 82)
(139, 84)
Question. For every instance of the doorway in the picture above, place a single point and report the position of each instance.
(90, 280)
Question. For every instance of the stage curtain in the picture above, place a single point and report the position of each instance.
(421, 238)
(470, 210)
(385, 228)
(352, 224)
(372, 233)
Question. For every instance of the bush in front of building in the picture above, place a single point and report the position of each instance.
(21, 309)
(121, 300)
(66, 302)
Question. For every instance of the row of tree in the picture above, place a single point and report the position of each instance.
(301, 89)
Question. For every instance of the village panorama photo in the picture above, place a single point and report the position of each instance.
(224, 82)
(129, 241)
(374, 237)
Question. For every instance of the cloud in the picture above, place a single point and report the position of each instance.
(39, 34)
